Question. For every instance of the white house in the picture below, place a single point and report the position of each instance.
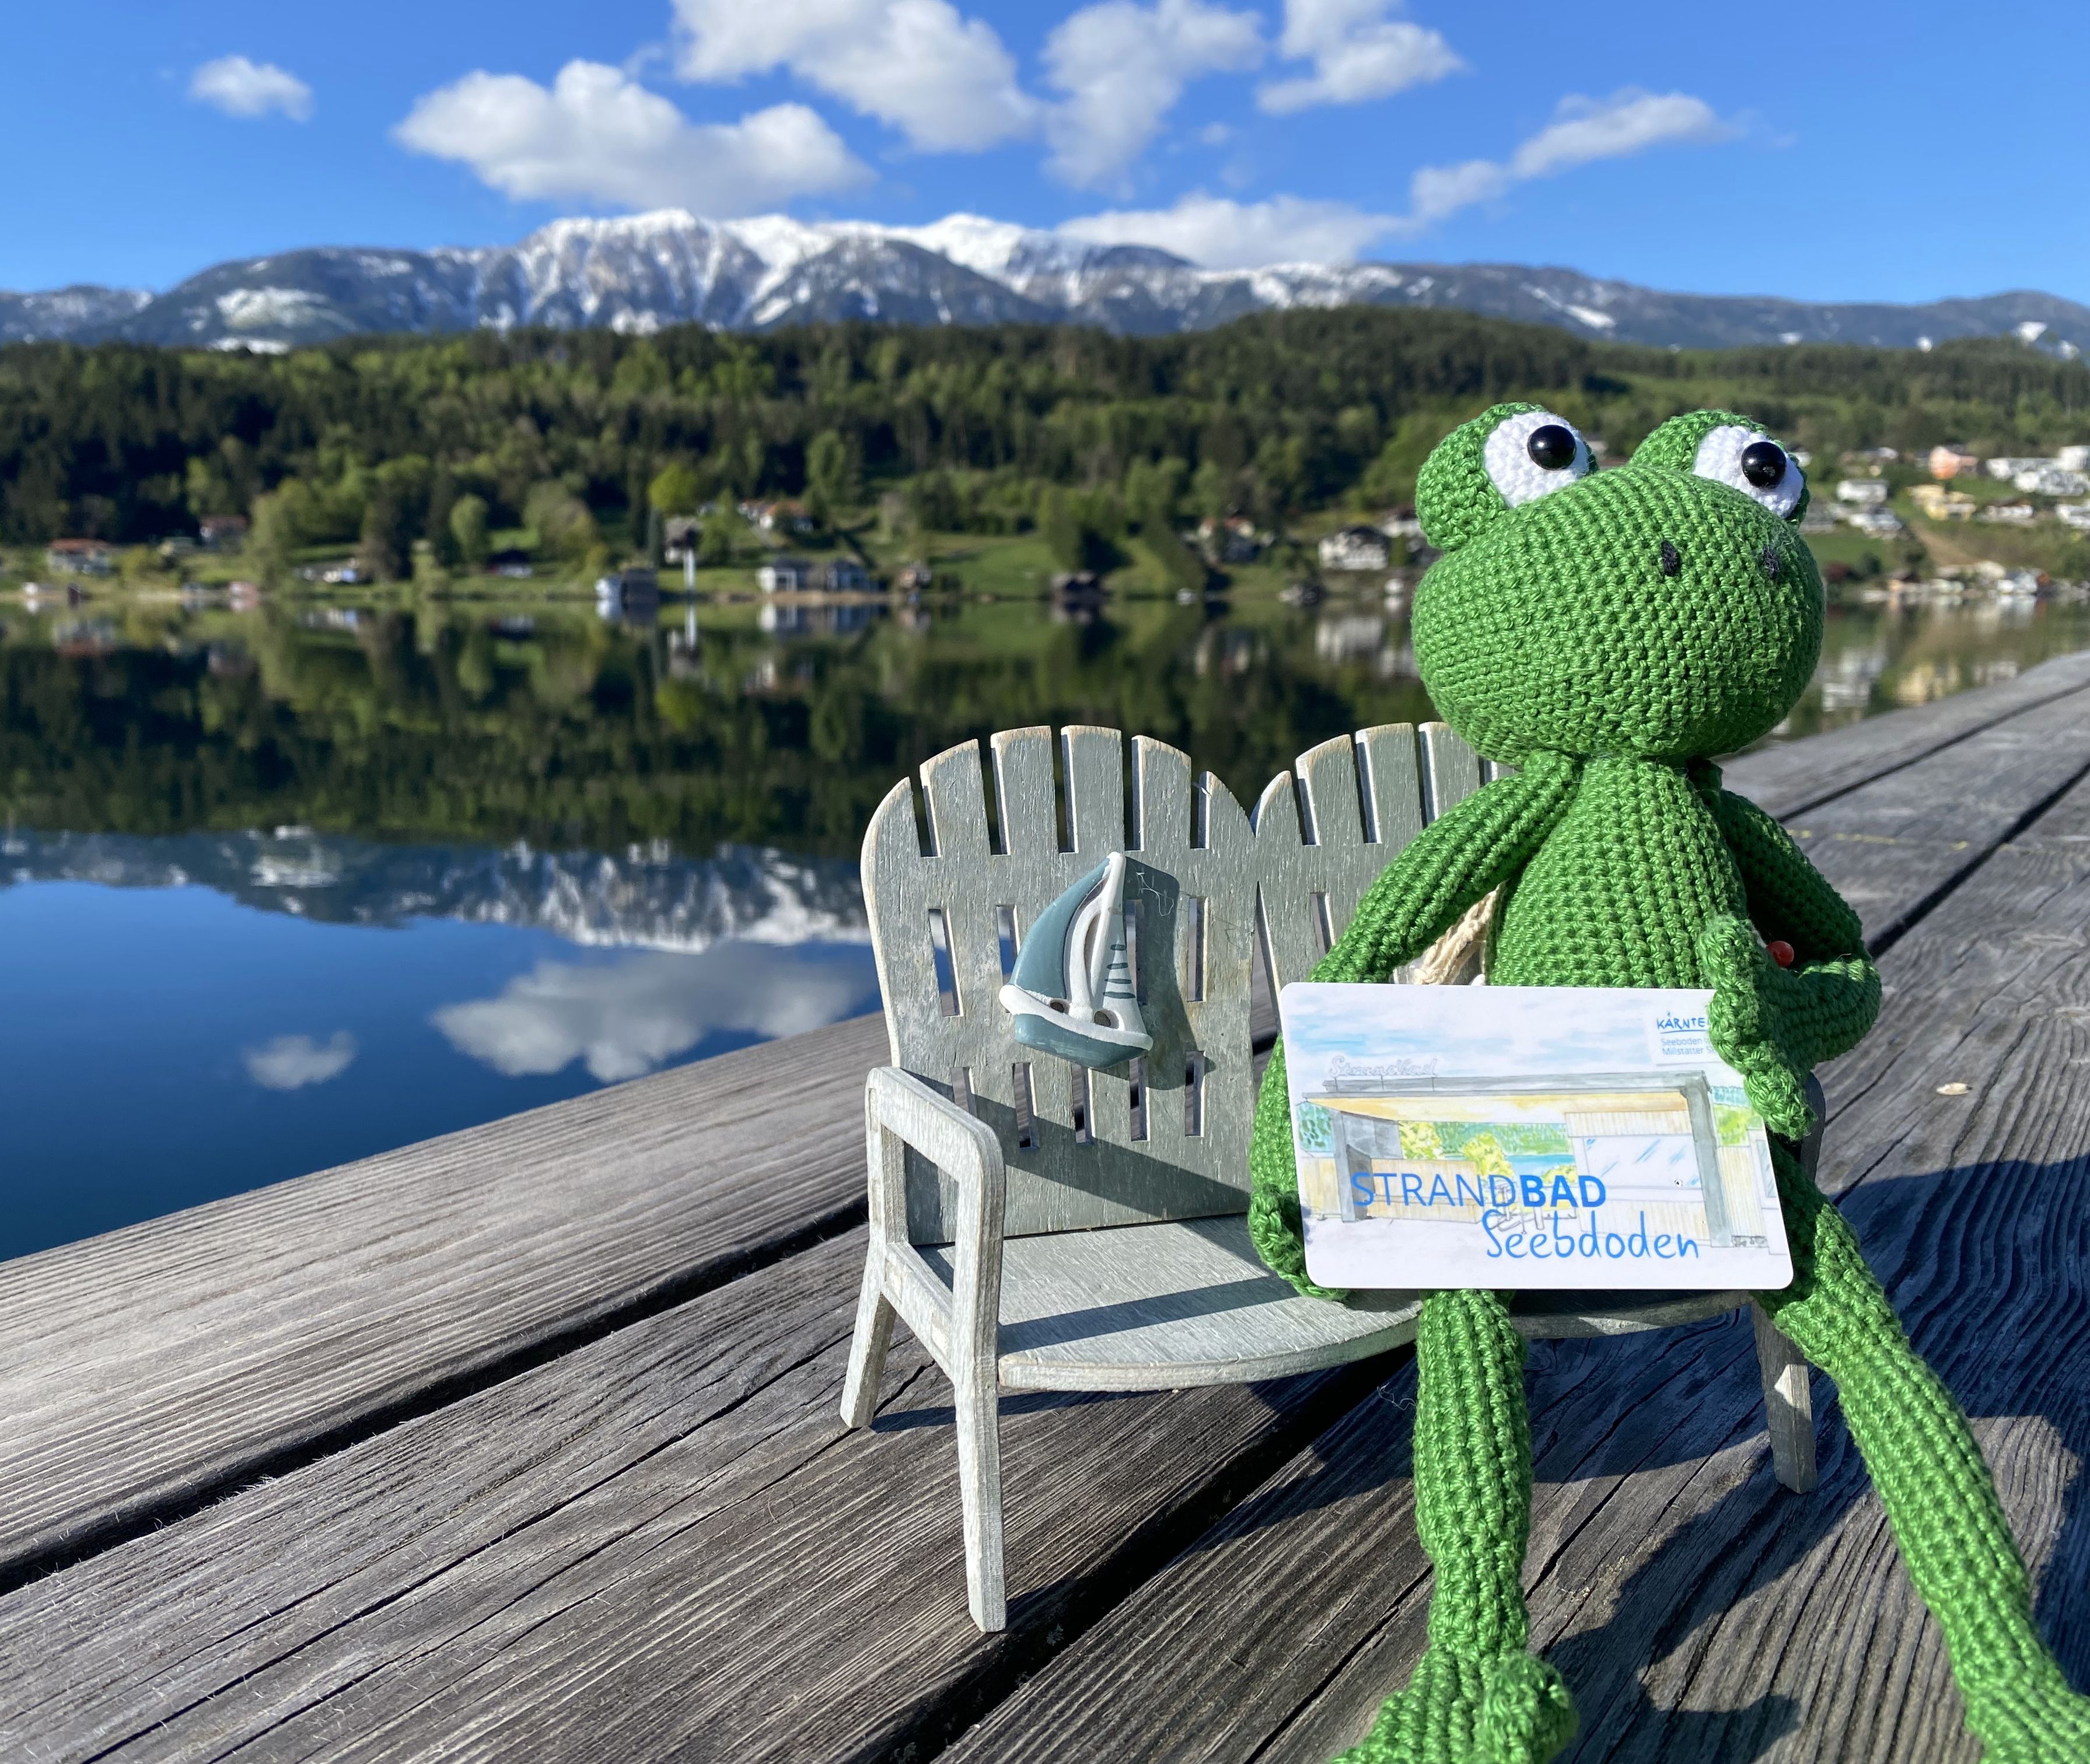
(785, 573)
(1356, 547)
(1863, 492)
(2054, 480)
(2076, 514)
(2074, 459)
(1878, 523)
(2008, 513)
(2007, 468)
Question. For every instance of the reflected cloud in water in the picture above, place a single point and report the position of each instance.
(292, 1062)
(626, 1017)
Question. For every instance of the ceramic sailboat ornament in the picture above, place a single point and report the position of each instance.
(1072, 993)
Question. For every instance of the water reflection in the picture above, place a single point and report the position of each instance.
(626, 1018)
(318, 879)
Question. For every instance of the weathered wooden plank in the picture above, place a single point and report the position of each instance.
(1793, 776)
(144, 1368)
(1893, 846)
(662, 1544)
(1700, 1611)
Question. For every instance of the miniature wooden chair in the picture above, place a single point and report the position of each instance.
(1044, 1227)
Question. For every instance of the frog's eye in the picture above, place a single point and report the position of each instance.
(1532, 454)
(1749, 460)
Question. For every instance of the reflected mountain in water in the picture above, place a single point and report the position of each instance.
(645, 897)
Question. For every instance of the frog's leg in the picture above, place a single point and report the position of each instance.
(1475, 1697)
(1450, 865)
(1931, 1480)
(1475, 1694)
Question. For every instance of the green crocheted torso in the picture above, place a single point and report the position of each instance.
(1618, 894)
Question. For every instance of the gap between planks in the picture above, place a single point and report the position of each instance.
(125, 1427)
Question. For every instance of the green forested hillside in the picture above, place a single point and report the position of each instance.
(377, 441)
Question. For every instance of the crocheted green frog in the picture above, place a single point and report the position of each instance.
(1607, 633)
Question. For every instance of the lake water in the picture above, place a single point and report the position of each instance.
(290, 886)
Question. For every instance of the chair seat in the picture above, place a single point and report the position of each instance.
(1165, 1307)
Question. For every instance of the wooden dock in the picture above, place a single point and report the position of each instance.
(522, 1444)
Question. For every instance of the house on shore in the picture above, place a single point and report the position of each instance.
(1356, 547)
(787, 574)
(81, 557)
(222, 532)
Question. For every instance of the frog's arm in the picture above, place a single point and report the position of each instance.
(1481, 843)
(1774, 1024)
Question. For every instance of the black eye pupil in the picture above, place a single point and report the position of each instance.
(1551, 447)
(1763, 463)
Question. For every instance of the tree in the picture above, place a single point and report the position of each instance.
(382, 550)
(827, 477)
(272, 533)
(468, 528)
(714, 543)
(676, 489)
(1062, 531)
(561, 522)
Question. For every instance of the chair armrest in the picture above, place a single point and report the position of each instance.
(960, 1145)
(899, 1109)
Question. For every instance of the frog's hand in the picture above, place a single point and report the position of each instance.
(1774, 1025)
(1837, 994)
(1455, 860)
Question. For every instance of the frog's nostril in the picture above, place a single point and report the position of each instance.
(1769, 558)
(1672, 559)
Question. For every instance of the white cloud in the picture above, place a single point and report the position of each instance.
(625, 1018)
(597, 134)
(944, 80)
(1358, 54)
(1224, 234)
(1123, 66)
(242, 87)
(292, 1062)
(1583, 129)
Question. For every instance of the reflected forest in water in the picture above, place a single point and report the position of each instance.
(467, 724)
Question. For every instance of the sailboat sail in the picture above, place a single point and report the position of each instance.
(1073, 993)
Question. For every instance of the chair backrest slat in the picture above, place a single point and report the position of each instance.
(1315, 864)
(1168, 1138)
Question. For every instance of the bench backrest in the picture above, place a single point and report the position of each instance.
(947, 902)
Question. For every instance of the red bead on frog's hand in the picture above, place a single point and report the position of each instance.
(1780, 951)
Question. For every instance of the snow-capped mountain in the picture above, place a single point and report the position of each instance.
(67, 311)
(639, 273)
(640, 898)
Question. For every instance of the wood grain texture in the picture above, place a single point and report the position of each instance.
(141, 1368)
(1700, 1612)
(1792, 777)
(1893, 846)
(663, 1544)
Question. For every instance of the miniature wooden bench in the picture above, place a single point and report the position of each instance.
(1044, 1227)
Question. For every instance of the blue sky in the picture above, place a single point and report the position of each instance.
(1830, 151)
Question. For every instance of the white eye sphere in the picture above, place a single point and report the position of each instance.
(1532, 454)
(1751, 462)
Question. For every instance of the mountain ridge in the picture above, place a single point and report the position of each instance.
(641, 273)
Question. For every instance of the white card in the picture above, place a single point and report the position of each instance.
(1579, 1137)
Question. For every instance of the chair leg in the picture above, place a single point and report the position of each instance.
(874, 1335)
(1789, 1404)
(979, 1488)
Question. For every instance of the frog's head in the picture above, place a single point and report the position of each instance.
(1666, 608)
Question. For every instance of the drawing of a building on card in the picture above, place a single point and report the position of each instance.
(1626, 1174)
(1444, 1152)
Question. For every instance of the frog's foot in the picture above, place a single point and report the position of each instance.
(1511, 1709)
(2033, 1719)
